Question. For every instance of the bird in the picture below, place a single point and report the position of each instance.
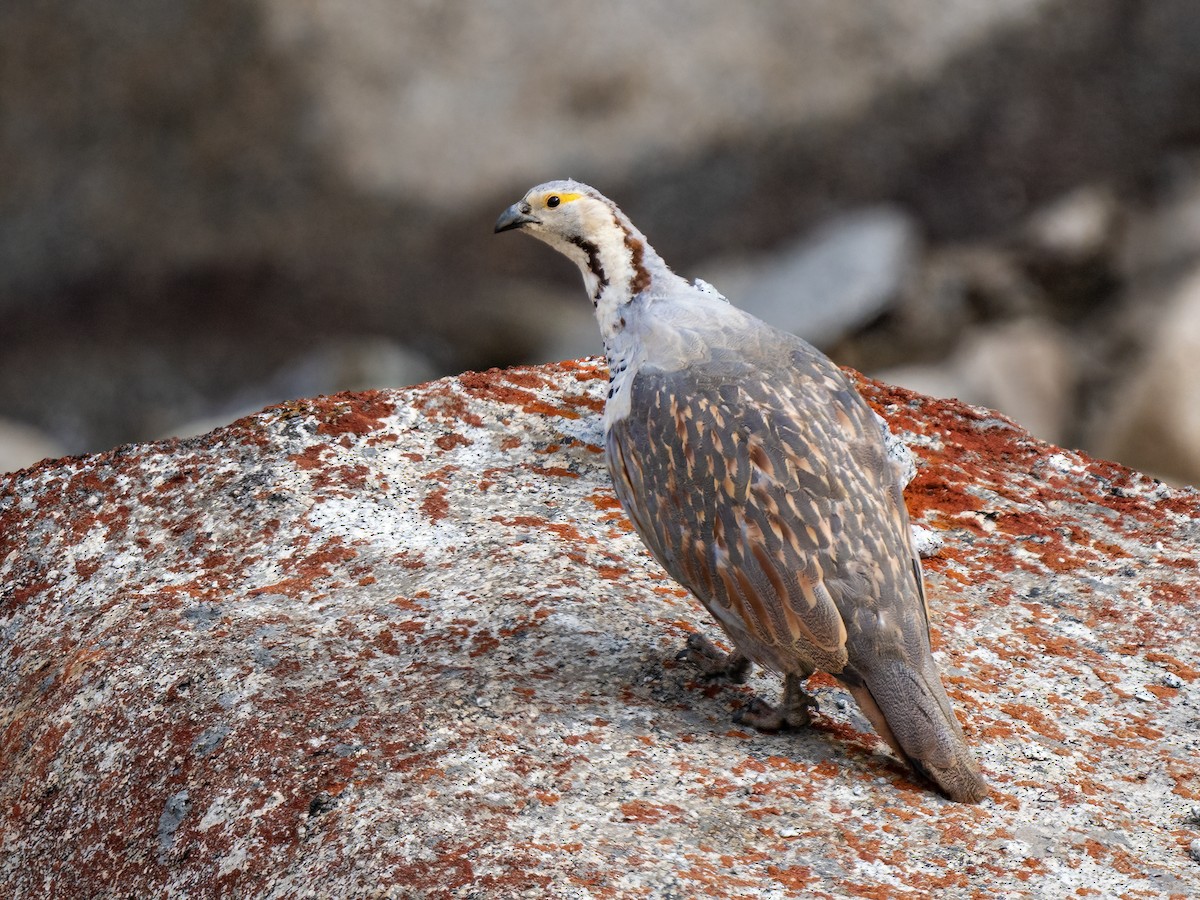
(758, 477)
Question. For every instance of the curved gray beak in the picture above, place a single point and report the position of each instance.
(516, 216)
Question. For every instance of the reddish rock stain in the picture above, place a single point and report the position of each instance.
(352, 414)
(435, 505)
(447, 442)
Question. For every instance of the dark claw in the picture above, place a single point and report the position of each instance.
(794, 712)
(759, 715)
(711, 662)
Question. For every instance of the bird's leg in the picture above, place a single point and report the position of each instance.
(794, 711)
(712, 662)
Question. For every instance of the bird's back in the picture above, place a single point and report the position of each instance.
(759, 478)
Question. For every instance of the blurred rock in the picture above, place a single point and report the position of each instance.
(539, 321)
(829, 282)
(569, 332)
(225, 173)
(1068, 249)
(215, 133)
(954, 288)
(1162, 240)
(354, 364)
(346, 364)
(1076, 226)
(396, 83)
(1026, 369)
(938, 380)
(22, 445)
(1154, 422)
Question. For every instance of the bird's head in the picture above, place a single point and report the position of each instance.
(561, 212)
(588, 228)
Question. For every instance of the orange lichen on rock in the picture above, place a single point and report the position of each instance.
(264, 660)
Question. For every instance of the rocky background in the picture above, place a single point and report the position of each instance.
(211, 205)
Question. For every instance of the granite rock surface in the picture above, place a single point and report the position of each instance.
(404, 644)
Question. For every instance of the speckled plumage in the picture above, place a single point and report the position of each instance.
(758, 477)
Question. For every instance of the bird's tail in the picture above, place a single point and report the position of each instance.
(910, 710)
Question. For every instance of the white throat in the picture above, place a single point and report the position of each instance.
(617, 280)
(623, 350)
(614, 259)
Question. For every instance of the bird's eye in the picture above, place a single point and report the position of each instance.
(552, 201)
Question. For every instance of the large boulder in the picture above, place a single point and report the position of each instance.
(404, 644)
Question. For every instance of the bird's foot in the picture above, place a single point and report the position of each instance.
(794, 711)
(712, 662)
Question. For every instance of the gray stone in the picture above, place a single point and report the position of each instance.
(1162, 236)
(1077, 225)
(338, 364)
(172, 817)
(23, 445)
(1026, 369)
(830, 282)
(1154, 420)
